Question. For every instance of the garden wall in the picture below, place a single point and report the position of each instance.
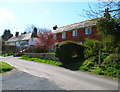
(42, 56)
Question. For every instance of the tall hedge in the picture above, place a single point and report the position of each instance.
(68, 50)
(9, 49)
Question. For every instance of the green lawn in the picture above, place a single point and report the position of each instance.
(4, 67)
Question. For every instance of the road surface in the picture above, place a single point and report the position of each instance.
(63, 78)
(18, 80)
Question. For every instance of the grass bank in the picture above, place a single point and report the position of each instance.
(4, 67)
(110, 66)
(51, 62)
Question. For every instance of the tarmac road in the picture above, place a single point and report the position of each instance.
(19, 80)
(63, 78)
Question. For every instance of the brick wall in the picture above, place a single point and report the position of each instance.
(81, 35)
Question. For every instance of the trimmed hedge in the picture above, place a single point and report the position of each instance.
(69, 51)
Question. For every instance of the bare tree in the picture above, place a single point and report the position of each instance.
(29, 28)
(98, 10)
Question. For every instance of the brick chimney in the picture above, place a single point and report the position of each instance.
(35, 32)
(55, 27)
(17, 34)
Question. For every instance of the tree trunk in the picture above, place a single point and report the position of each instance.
(99, 62)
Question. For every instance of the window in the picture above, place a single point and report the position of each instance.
(88, 31)
(31, 39)
(54, 36)
(74, 33)
(63, 35)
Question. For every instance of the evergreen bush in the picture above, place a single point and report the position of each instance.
(68, 51)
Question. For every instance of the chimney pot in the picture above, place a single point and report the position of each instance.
(17, 34)
(35, 32)
(55, 27)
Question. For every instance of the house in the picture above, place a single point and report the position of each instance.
(23, 40)
(77, 32)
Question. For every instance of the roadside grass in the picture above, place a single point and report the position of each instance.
(109, 66)
(4, 67)
(50, 52)
(51, 62)
(8, 54)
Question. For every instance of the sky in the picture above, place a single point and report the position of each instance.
(17, 15)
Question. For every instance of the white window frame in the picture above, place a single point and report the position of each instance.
(75, 33)
(88, 31)
(63, 35)
(54, 36)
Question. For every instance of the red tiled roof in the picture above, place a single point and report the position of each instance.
(82, 24)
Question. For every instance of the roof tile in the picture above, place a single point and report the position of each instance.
(82, 24)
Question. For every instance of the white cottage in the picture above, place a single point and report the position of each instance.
(23, 40)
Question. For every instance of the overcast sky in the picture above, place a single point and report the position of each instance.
(16, 15)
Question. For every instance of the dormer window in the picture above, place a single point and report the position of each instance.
(74, 33)
(63, 35)
(88, 31)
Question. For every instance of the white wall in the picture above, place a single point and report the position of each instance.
(20, 42)
(32, 41)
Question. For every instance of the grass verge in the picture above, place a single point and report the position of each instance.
(51, 62)
(110, 66)
(8, 54)
(4, 67)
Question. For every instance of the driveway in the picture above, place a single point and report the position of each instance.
(64, 78)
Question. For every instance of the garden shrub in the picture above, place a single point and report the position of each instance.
(9, 49)
(112, 65)
(88, 64)
(92, 47)
(68, 51)
(8, 54)
(99, 71)
(108, 47)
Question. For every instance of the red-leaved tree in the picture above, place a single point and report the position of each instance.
(45, 40)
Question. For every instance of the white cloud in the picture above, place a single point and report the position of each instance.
(5, 15)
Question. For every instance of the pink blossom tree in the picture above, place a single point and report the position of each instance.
(45, 40)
